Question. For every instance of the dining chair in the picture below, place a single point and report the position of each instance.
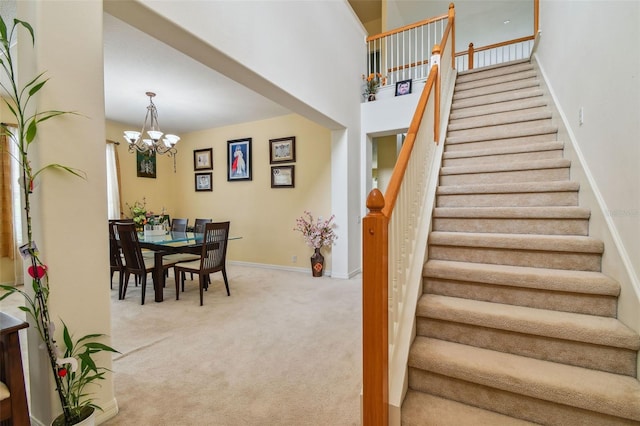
(116, 262)
(212, 259)
(198, 228)
(179, 225)
(135, 262)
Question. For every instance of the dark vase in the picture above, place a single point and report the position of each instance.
(372, 97)
(317, 263)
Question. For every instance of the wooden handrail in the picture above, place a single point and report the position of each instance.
(376, 255)
(406, 27)
(393, 188)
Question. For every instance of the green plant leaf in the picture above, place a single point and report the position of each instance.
(67, 340)
(77, 172)
(100, 346)
(27, 26)
(37, 87)
(32, 129)
(3, 29)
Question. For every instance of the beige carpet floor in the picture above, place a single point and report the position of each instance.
(283, 349)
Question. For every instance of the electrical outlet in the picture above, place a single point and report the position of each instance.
(294, 259)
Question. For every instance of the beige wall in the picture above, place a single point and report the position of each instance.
(263, 216)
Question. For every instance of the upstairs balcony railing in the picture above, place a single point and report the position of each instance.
(404, 53)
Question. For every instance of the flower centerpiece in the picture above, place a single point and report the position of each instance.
(372, 83)
(73, 368)
(138, 212)
(147, 221)
(317, 234)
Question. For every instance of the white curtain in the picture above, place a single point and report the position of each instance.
(113, 192)
(17, 208)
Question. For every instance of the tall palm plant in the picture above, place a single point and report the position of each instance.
(73, 368)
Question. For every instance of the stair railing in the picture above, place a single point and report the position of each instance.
(393, 250)
(511, 50)
(403, 53)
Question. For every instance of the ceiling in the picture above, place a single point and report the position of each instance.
(190, 95)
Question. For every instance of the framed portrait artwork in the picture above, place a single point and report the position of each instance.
(283, 176)
(146, 164)
(282, 150)
(403, 87)
(203, 181)
(239, 159)
(203, 159)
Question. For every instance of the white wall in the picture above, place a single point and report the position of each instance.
(596, 67)
(252, 42)
(69, 213)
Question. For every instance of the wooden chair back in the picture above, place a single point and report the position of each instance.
(198, 228)
(128, 237)
(214, 247)
(179, 225)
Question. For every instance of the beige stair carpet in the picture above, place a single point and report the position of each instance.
(517, 324)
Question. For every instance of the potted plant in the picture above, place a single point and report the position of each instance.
(73, 368)
(317, 234)
(371, 84)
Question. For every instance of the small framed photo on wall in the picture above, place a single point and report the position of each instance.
(146, 164)
(239, 159)
(283, 176)
(282, 150)
(203, 159)
(203, 181)
(403, 87)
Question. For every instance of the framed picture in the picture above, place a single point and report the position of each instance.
(282, 150)
(203, 159)
(239, 159)
(282, 177)
(203, 181)
(403, 87)
(146, 164)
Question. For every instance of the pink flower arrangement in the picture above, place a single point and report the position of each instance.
(316, 233)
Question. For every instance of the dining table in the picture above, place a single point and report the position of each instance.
(169, 243)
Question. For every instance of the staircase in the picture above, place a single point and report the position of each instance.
(517, 325)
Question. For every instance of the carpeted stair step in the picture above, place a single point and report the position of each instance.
(419, 409)
(526, 171)
(524, 194)
(490, 81)
(531, 389)
(590, 341)
(581, 292)
(494, 70)
(534, 151)
(524, 102)
(541, 251)
(513, 220)
(509, 132)
(475, 106)
(501, 118)
(496, 88)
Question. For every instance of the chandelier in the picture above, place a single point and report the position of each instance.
(154, 142)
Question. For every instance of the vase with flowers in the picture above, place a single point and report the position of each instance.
(317, 234)
(73, 367)
(372, 83)
(138, 212)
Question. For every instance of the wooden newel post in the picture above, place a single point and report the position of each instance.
(375, 333)
(470, 56)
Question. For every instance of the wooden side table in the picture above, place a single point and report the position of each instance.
(15, 407)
